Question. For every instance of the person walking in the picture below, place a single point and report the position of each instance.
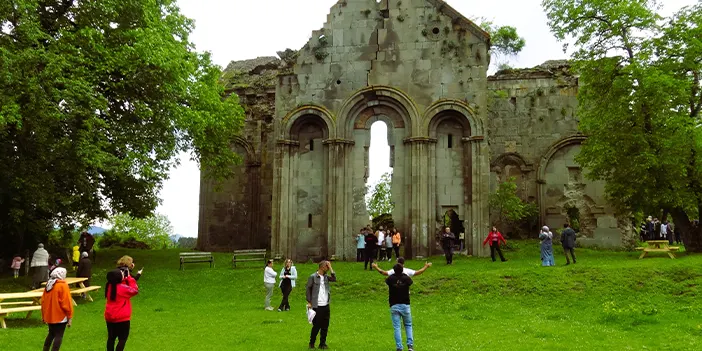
(371, 242)
(16, 265)
(85, 268)
(396, 242)
(40, 264)
(568, 242)
(318, 298)
(546, 238)
(56, 308)
(494, 238)
(288, 276)
(360, 244)
(269, 275)
(400, 312)
(447, 239)
(119, 290)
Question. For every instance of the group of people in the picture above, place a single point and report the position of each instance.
(377, 245)
(654, 229)
(318, 296)
(57, 308)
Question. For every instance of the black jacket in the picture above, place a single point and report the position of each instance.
(568, 238)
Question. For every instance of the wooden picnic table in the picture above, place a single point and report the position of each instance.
(31, 303)
(658, 246)
(79, 288)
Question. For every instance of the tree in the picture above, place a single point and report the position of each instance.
(507, 206)
(154, 231)
(639, 103)
(504, 40)
(96, 99)
(380, 200)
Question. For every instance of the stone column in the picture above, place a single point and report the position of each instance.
(339, 198)
(420, 206)
(480, 190)
(282, 217)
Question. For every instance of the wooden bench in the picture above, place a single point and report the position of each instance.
(195, 257)
(30, 303)
(258, 255)
(5, 311)
(86, 290)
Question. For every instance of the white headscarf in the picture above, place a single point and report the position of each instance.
(59, 273)
(547, 231)
(84, 254)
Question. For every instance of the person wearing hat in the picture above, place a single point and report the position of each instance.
(119, 290)
(56, 308)
(40, 264)
(546, 238)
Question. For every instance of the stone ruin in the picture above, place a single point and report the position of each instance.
(420, 67)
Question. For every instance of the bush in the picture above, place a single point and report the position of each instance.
(113, 239)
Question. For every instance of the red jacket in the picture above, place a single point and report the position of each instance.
(494, 236)
(120, 310)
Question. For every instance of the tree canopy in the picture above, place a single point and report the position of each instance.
(639, 103)
(504, 40)
(96, 99)
(380, 200)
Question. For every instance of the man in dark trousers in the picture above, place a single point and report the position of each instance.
(400, 312)
(371, 242)
(318, 298)
(447, 239)
(568, 242)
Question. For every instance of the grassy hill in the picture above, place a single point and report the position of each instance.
(608, 301)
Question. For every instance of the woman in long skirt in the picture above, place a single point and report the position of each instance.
(546, 247)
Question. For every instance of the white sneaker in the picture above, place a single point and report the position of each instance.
(269, 308)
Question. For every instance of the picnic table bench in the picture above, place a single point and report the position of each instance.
(78, 289)
(249, 255)
(195, 257)
(658, 246)
(32, 303)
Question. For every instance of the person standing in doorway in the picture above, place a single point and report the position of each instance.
(494, 238)
(371, 242)
(119, 290)
(447, 239)
(269, 275)
(318, 298)
(288, 276)
(400, 312)
(396, 242)
(546, 237)
(40, 263)
(568, 242)
(56, 308)
(360, 244)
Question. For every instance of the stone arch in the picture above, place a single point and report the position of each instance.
(308, 113)
(374, 101)
(567, 141)
(448, 108)
(512, 158)
(512, 164)
(250, 157)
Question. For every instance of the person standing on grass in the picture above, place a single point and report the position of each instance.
(360, 244)
(40, 263)
(85, 268)
(371, 242)
(16, 265)
(56, 308)
(400, 312)
(405, 270)
(494, 238)
(288, 276)
(380, 234)
(269, 275)
(388, 245)
(126, 264)
(318, 298)
(119, 290)
(396, 242)
(447, 239)
(568, 242)
(546, 238)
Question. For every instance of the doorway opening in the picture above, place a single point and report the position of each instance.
(573, 214)
(379, 176)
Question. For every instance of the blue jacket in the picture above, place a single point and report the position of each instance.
(293, 276)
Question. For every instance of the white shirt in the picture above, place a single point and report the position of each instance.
(323, 298)
(409, 272)
(381, 238)
(664, 229)
(269, 275)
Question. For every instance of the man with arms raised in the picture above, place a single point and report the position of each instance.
(409, 272)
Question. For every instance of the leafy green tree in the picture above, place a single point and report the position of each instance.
(380, 200)
(639, 103)
(154, 231)
(504, 40)
(509, 209)
(96, 99)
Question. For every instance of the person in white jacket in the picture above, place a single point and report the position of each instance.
(288, 275)
(40, 264)
(269, 275)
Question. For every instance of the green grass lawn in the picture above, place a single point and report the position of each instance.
(608, 301)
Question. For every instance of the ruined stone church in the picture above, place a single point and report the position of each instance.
(454, 132)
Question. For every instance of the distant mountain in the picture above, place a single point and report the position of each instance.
(175, 237)
(96, 231)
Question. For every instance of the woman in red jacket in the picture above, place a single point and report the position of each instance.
(494, 237)
(120, 288)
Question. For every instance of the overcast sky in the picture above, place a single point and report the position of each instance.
(244, 29)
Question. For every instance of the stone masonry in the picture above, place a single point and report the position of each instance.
(421, 68)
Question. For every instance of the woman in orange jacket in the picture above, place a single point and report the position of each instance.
(56, 308)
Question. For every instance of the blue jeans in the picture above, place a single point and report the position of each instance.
(404, 312)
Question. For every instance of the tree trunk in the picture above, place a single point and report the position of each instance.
(691, 235)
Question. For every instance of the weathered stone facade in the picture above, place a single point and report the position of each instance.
(420, 67)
